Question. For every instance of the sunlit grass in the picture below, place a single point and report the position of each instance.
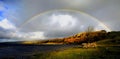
(81, 53)
(72, 53)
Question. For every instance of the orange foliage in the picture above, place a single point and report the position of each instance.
(86, 37)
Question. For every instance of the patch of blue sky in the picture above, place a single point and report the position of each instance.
(1, 15)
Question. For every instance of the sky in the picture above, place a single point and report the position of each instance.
(45, 19)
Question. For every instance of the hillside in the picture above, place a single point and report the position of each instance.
(79, 38)
(84, 37)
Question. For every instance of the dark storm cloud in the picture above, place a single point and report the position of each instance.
(59, 34)
(52, 27)
(2, 33)
(109, 14)
(39, 6)
(107, 11)
(5, 34)
(98, 8)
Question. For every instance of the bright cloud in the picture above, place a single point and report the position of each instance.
(6, 24)
(33, 35)
(63, 20)
(12, 32)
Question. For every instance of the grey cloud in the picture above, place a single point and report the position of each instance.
(107, 11)
(61, 33)
(101, 9)
(43, 24)
(4, 33)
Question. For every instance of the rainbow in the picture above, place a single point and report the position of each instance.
(43, 13)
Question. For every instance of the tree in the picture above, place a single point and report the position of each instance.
(89, 36)
(89, 29)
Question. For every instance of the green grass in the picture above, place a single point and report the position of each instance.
(80, 53)
(108, 49)
(107, 42)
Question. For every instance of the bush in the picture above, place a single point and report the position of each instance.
(89, 45)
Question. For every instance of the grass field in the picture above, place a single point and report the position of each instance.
(81, 53)
(107, 49)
